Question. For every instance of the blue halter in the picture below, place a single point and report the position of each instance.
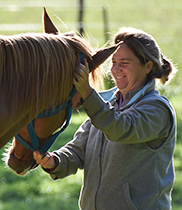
(34, 145)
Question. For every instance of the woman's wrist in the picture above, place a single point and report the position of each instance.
(87, 93)
(56, 161)
(52, 169)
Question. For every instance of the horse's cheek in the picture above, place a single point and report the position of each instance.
(76, 100)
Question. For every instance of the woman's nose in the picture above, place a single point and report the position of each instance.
(116, 68)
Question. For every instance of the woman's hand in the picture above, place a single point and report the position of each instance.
(46, 161)
(81, 80)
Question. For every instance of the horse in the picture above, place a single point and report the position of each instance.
(36, 76)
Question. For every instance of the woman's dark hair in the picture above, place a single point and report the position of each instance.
(146, 49)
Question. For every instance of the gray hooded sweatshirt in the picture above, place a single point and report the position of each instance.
(127, 155)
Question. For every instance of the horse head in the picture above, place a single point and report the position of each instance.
(20, 158)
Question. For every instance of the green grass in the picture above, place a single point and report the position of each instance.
(161, 18)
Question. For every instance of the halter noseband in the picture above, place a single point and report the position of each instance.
(34, 145)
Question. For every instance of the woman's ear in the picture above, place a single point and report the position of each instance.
(148, 66)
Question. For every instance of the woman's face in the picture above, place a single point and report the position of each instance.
(127, 70)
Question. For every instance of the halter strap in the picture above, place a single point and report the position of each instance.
(34, 145)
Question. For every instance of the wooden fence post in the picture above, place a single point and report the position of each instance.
(80, 19)
(106, 24)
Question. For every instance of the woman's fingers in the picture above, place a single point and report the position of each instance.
(37, 156)
(46, 161)
(86, 65)
(81, 80)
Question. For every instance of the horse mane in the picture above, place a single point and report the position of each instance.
(37, 70)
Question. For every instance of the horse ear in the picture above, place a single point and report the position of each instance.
(49, 26)
(101, 55)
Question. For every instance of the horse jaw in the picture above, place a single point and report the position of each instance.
(20, 159)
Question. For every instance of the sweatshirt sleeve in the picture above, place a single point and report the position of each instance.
(71, 156)
(144, 121)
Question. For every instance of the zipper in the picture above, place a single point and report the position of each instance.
(100, 174)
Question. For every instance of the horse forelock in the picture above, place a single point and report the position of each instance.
(37, 69)
(81, 45)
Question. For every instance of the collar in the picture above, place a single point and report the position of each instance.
(141, 92)
(131, 96)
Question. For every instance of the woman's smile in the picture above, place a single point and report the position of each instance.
(127, 70)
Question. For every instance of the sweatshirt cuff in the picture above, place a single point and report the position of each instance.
(93, 104)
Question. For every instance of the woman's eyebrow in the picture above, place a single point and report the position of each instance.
(123, 59)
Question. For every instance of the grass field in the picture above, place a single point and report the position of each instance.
(161, 18)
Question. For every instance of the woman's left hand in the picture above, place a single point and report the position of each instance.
(81, 80)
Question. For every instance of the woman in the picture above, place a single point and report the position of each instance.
(126, 146)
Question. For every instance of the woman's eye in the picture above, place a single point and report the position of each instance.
(122, 64)
(125, 63)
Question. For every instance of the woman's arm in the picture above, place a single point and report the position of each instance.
(69, 157)
(145, 121)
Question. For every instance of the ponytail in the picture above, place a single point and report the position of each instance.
(167, 69)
